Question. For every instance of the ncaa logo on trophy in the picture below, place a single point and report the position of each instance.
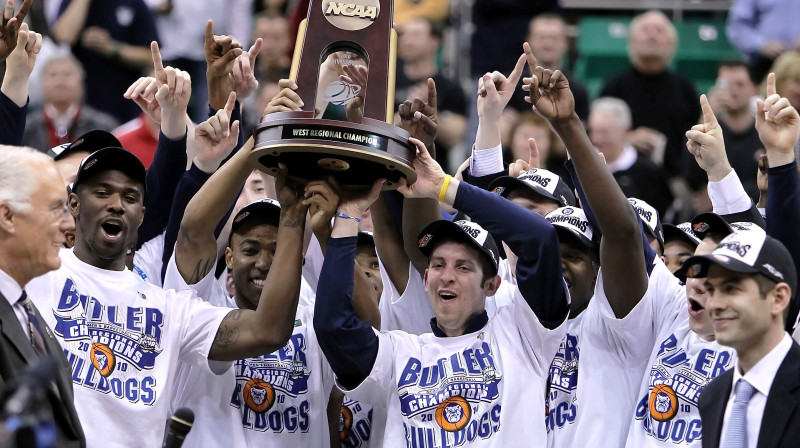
(344, 60)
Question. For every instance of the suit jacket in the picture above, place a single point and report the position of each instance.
(16, 353)
(780, 424)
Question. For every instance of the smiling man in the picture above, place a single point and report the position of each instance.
(123, 337)
(751, 279)
(460, 384)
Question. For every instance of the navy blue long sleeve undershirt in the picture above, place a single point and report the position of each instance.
(783, 218)
(169, 164)
(351, 346)
(12, 121)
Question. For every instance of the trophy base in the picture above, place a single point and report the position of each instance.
(356, 154)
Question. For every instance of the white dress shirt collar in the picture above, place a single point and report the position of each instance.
(9, 288)
(625, 160)
(763, 373)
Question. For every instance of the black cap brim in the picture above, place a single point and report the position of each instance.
(697, 266)
(256, 212)
(706, 223)
(509, 184)
(88, 143)
(672, 233)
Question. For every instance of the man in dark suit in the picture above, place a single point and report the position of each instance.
(32, 221)
(750, 279)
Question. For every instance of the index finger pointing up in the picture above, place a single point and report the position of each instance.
(532, 62)
(432, 95)
(771, 90)
(708, 114)
(513, 77)
(158, 64)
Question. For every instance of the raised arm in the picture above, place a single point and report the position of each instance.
(14, 89)
(621, 254)
(248, 333)
(167, 96)
(349, 343)
(526, 233)
(196, 247)
(778, 125)
(421, 120)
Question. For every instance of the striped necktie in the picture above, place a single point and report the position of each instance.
(736, 437)
(34, 327)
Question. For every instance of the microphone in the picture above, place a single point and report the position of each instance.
(177, 427)
(31, 386)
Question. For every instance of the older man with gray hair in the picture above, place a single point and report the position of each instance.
(663, 104)
(637, 176)
(33, 214)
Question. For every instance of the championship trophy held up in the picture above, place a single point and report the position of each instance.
(344, 60)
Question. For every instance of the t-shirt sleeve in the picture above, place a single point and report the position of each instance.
(411, 311)
(634, 335)
(375, 389)
(539, 342)
(207, 289)
(199, 322)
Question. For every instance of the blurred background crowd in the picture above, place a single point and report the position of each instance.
(636, 82)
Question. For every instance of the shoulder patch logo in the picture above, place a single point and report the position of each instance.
(453, 414)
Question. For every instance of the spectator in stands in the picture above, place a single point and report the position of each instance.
(547, 36)
(111, 38)
(731, 100)
(763, 30)
(500, 25)
(408, 10)
(418, 44)
(63, 116)
(637, 176)
(787, 77)
(274, 60)
(663, 104)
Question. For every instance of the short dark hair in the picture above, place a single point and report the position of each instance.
(737, 63)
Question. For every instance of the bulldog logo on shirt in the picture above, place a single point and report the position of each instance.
(258, 395)
(453, 414)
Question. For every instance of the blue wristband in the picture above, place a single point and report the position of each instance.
(342, 215)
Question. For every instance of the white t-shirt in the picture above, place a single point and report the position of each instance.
(147, 260)
(596, 373)
(479, 389)
(410, 311)
(679, 366)
(277, 400)
(125, 339)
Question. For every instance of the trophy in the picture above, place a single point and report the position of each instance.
(344, 68)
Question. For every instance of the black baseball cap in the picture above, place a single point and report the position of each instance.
(463, 231)
(111, 158)
(538, 181)
(571, 223)
(89, 142)
(706, 223)
(652, 222)
(747, 253)
(267, 210)
(681, 232)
